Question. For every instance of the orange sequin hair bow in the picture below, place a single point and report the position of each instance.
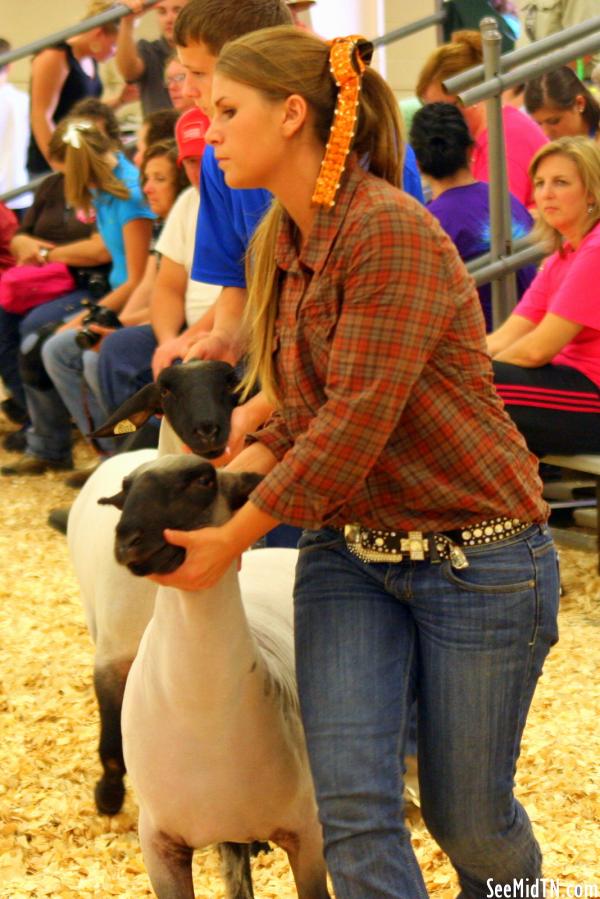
(348, 58)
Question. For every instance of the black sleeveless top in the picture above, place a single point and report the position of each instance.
(78, 84)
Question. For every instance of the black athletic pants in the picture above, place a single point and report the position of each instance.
(555, 407)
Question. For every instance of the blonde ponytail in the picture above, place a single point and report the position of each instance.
(84, 149)
(260, 314)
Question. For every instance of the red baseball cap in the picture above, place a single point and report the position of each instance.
(190, 128)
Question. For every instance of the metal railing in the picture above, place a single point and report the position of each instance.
(25, 189)
(502, 80)
(523, 54)
(506, 265)
(437, 18)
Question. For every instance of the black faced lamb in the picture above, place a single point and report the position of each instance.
(197, 400)
(212, 735)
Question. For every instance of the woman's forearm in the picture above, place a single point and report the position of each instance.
(167, 314)
(514, 328)
(541, 344)
(255, 457)
(127, 58)
(90, 251)
(117, 298)
(42, 132)
(25, 249)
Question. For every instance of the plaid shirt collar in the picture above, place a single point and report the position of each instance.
(326, 224)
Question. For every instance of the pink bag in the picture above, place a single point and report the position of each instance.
(23, 287)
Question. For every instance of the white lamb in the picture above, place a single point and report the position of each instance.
(212, 734)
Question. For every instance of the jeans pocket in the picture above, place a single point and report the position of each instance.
(547, 570)
(497, 569)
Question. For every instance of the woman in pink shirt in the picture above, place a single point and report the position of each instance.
(546, 355)
(522, 137)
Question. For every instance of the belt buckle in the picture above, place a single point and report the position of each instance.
(416, 545)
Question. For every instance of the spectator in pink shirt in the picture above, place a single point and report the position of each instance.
(546, 355)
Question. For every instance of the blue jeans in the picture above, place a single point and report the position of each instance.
(74, 373)
(14, 327)
(125, 364)
(469, 646)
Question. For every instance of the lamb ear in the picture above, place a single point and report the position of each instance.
(117, 500)
(237, 487)
(133, 413)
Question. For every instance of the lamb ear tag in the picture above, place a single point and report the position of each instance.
(125, 426)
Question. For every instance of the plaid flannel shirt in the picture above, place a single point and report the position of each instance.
(389, 416)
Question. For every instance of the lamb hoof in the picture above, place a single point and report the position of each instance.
(256, 846)
(109, 796)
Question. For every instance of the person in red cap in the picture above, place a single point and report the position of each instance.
(130, 357)
(180, 302)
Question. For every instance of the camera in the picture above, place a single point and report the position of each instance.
(97, 285)
(98, 315)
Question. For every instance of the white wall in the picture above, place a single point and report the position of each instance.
(399, 62)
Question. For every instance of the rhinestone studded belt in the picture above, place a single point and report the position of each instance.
(374, 545)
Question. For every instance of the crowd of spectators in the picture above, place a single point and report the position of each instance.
(153, 295)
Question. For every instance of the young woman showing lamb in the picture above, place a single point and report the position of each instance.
(426, 567)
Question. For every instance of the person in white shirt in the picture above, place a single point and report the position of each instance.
(180, 308)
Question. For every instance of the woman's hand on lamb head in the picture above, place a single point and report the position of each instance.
(210, 551)
(212, 346)
(208, 556)
(167, 352)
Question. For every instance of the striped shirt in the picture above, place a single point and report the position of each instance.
(389, 416)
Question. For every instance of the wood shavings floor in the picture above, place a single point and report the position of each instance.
(52, 842)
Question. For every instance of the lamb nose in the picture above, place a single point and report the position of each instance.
(207, 429)
(127, 542)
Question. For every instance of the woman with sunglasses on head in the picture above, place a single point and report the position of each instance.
(426, 568)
